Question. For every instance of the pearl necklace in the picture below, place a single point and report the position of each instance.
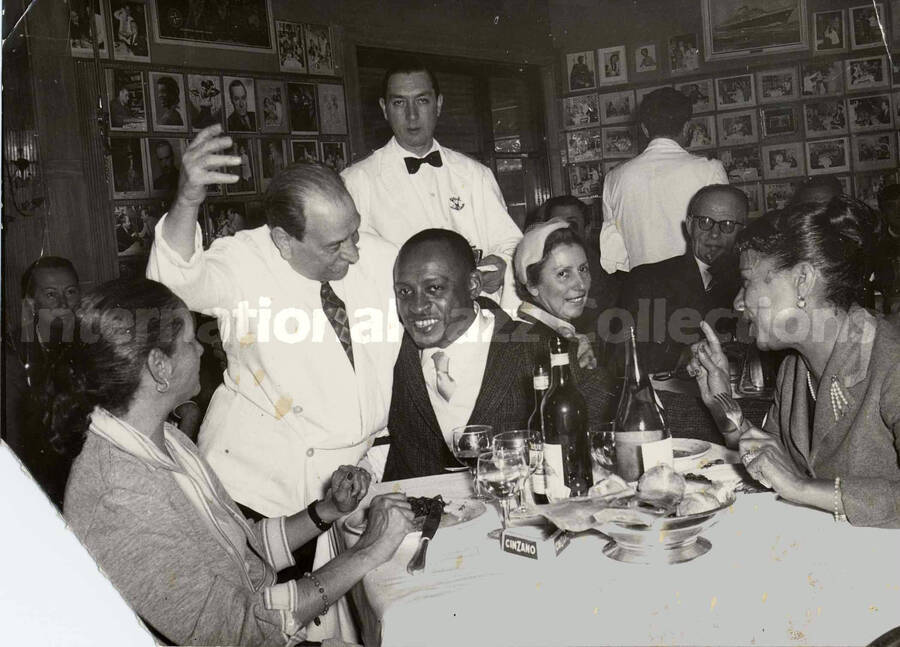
(839, 402)
(809, 383)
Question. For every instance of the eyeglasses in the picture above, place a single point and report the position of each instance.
(725, 226)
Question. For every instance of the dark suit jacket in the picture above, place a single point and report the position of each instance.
(505, 401)
(677, 281)
(862, 445)
(235, 125)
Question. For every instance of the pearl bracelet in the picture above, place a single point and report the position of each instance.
(838, 516)
(312, 578)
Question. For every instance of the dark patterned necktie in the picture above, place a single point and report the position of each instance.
(414, 163)
(337, 314)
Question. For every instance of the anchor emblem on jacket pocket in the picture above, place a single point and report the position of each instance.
(456, 203)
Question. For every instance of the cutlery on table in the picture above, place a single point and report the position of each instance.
(432, 521)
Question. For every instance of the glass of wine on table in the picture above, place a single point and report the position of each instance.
(468, 443)
(528, 443)
(500, 473)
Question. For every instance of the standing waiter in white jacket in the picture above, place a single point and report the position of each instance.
(413, 183)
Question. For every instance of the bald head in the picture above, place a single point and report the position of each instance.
(715, 215)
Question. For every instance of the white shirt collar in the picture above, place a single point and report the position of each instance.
(560, 326)
(399, 152)
(704, 272)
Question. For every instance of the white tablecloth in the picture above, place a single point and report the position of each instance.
(777, 574)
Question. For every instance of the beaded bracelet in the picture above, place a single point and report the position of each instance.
(312, 578)
(838, 516)
(315, 518)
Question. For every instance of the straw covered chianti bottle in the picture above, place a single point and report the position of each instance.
(642, 437)
(567, 459)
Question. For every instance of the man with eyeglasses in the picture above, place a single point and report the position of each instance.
(667, 300)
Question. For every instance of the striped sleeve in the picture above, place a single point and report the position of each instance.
(283, 599)
(274, 540)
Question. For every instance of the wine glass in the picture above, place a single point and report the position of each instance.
(530, 444)
(499, 472)
(468, 442)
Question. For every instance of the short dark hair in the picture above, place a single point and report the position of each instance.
(735, 192)
(838, 238)
(561, 236)
(827, 182)
(408, 65)
(456, 244)
(234, 84)
(664, 112)
(290, 191)
(44, 263)
(544, 213)
(119, 323)
(170, 85)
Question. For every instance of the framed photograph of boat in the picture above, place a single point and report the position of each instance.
(735, 28)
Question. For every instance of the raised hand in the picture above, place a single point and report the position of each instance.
(709, 366)
(201, 164)
(390, 519)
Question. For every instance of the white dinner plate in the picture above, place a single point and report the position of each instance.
(688, 449)
(456, 511)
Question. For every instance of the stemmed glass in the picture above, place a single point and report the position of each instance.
(468, 443)
(500, 472)
(530, 444)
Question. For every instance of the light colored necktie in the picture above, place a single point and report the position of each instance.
(445, 384)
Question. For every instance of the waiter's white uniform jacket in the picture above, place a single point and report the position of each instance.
(462, 195)
(291, 408)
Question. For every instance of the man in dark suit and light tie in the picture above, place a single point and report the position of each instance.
(668, 299)
(457, 363)
(241, 119)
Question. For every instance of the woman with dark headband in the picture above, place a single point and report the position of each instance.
(832, 437)
(151, 511)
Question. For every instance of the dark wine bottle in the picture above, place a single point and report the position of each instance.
(567, 458)
(639, 421)
(541, 382)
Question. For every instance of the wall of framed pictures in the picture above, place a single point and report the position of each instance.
(813, 93)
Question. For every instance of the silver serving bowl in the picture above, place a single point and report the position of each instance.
(669, 540)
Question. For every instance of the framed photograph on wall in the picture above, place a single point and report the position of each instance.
(684, 54)
(584, 145)
(865, 73)
(240, 104)
(129, 34)
(742, 164)
(735, 92)
(825, 117)
(737, 127)
(164, 157)
(245, 25)
(319, 49)
(895, 101)
(617, 107)
(871, 112)
(828, 156)
(619, 141)
(778, 85)
(580, 111)
(305, 150)
(778, 194)
(703, 133)
(302, 111)
(272, 158)
(169, 111)
(332, 112)
(271, 106)
(204, 100)
(586, 180)
(223, 219)
(334, 155)
(734, 28)
(701, 93)
(830, 32)
(246, 171)
(783, 160)
(582, 71)
(869, 185)
(125, 98)
(754, 198)
(874, 151)
(291, 47)
(821, 79)
(865, 25)
(645, 59)
(779, 121)
(128, 176)
(81, 19)
(612, 66)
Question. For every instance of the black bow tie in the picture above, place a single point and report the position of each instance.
(413, 163)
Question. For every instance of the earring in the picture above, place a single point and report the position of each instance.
(163, 386)
(801, 302)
